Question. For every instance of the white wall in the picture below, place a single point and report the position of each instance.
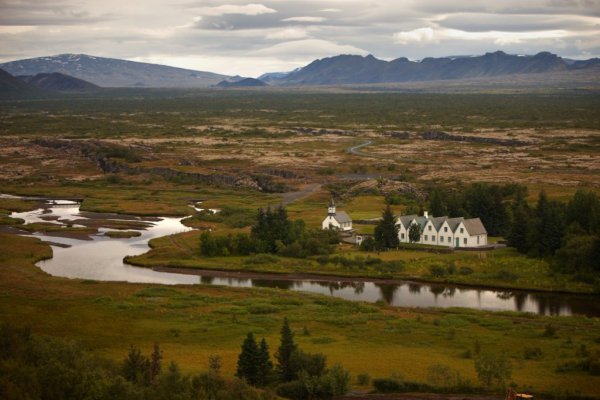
(330, 221)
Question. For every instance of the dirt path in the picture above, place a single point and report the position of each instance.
(306, 191)
(356, 150)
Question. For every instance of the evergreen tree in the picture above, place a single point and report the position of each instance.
(520, 231)
(265, 366)
(386, 231)
(584, 208)
(437, 206)
(414, 233)
(549, 226)
(248, 361)
(136, 367)
(287, 347)
(155, 362)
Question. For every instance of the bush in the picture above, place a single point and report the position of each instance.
(294, 390)
(532, 353)
(363, 379)
(261, 258)
(549, 331)
(437, 271)
(393, 385)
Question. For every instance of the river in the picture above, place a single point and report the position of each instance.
(101, 258)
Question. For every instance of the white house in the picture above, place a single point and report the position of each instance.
(336, 220)
(444, 231)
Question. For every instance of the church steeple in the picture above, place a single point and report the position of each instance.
(331, 208)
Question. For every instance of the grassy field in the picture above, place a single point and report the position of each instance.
(192, 323)
(155, 152)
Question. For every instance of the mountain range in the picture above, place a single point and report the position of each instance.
(351, 69)
(338, 70)
(111, 72)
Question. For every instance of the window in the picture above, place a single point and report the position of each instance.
(430, 228)
(441, 239)
(402, 235)
(433, 238)
(465, 240)
(462, 230)
(425, 237)
(445, 229)
(449, 239)
(477, 239)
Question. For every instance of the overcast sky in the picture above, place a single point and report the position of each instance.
(249, 38)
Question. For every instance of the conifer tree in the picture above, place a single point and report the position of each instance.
(248, 360)
(386, 231)
(414, 233)
(155, 362)
(287, 347)
(520, 232)
(265, 366)
(437, 206)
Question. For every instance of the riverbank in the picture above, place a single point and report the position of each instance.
(185, 320)
(497, 269)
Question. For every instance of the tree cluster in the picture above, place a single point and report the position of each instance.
(479, 200)
(37, 367)
(273, 233)
(566, 233)
(297, 375)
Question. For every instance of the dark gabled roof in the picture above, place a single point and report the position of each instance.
(474, 226)
(437, 222)
(422, 221)
(341, 217)
(405, 219)
(454, 222)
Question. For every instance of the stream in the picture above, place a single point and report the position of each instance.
(101, 258)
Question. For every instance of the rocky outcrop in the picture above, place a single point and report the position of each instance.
(440, 135)
(99, 153)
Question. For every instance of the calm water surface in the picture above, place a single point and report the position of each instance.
(102, 259)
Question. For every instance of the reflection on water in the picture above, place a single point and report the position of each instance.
(102, 259)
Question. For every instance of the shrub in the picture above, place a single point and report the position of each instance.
(261, 258)
(465, 270)
(437, 271)
(549, 331)
(363, 379)
(532, 353)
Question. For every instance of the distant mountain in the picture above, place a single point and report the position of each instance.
(111, 72)
(246, 82)
(9, 83)
(350, 69)
(11, 86)
(58, 82)
(274, 76)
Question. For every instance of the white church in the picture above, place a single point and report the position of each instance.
(337, 219)
(444, 231)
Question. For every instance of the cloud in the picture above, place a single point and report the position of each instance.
(428, 35)
(304, 19)
(248, 9)
(310, 49)
(420, 36)
(287, 34)
(331, 10)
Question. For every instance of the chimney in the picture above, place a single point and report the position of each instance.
(426, 214)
